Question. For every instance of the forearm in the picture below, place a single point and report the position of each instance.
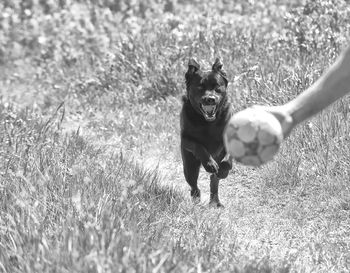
(334, 84)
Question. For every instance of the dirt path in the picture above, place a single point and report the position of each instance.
(236, 188)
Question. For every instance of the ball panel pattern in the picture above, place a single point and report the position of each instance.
(250, 160)
(253, 137)
(237, 148)
(266, 138)
(247, 132)
(267, 153)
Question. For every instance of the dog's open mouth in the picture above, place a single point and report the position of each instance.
(209, 111)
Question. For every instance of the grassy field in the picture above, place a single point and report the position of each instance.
(90, 169)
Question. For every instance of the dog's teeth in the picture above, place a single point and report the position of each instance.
(208, 108)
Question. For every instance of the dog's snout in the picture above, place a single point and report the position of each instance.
(209, 100)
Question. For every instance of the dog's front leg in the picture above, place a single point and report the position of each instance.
(214, 191)
(201, 153)
(225, 166)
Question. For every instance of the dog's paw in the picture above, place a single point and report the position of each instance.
(224, 168)
(196, 195)
(222, 173)
(211, 166)
(215, 203)
(226, 164)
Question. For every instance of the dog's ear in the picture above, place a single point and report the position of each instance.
(193, 67)
(217, 68)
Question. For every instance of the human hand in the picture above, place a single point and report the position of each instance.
(282, 115)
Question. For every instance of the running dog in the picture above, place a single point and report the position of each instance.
(205, 112)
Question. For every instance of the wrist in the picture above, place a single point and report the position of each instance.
(296, 112)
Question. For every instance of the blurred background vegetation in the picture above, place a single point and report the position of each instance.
(139, 47)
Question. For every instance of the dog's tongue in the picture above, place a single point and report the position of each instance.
(209, 109)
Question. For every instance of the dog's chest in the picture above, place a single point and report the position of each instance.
(210, 136)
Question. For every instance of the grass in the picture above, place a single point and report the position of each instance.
(90, 170)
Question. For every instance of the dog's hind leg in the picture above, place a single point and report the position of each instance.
(214, 191)
(191, 167)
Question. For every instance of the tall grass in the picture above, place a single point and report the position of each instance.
(90, 170)
(69, 206)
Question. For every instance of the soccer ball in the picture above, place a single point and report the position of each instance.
(253, 136)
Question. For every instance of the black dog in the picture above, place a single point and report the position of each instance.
(204, 114)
